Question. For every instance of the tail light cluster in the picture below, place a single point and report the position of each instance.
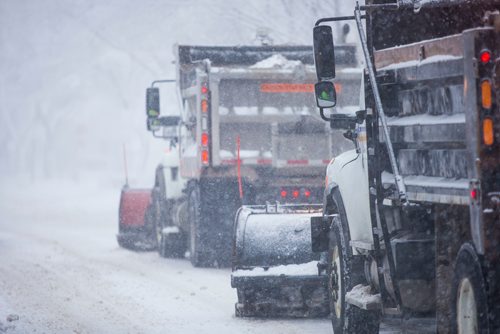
(205, 111)
(295, 193)
(487, 97)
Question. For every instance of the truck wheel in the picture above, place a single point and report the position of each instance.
(468, 303)
(194, 215)
(345, 272)
(170, 245)
(157, 215)
(148, 242)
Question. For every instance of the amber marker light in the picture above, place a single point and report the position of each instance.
(486, 94)
(488, 134)
(204, 105)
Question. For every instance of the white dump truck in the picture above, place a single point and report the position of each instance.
(248, 133)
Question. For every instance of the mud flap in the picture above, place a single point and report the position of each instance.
(319, 234)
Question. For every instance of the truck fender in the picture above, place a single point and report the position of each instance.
(347, 194)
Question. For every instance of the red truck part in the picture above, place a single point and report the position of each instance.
(133, 219)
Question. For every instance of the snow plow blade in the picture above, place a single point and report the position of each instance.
(275, 272)
(135, 230)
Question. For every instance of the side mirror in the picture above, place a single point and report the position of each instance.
(152, 106)
(326, 96)
(324, 54)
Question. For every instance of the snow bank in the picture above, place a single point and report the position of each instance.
(412, 63)
(362, 296)
(170, 230)
(303, 269)
(426, 119)
(428, 181)
(276, 61)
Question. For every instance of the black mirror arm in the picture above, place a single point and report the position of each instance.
(389, 6)
(322, 114)
(352, 135)
(162, 81)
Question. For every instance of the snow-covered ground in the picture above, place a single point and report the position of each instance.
(61, 271)
(72, 81)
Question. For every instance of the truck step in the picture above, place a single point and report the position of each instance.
(362, 297)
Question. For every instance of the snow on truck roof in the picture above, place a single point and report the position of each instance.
(252, 55)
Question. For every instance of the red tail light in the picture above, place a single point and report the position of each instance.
(204, 139)
(474, 193)
(204, 157)
(204, 89)
(307, 193)
(295, 193)
(283, 193)
(485, 56)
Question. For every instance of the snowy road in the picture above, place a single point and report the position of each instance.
(61, 271)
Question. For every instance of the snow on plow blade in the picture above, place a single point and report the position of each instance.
(275, 271)
(134, 224)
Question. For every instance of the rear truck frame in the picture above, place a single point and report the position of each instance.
(244, 137)
(411, 227)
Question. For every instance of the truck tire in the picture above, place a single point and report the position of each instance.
(197, 256)
(170, 245)
(345, 272)
(469, 302)
(158, 219)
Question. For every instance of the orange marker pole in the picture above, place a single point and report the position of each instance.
(238, 160)
(125, 164)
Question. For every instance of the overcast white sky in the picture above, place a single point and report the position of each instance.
(73, 74)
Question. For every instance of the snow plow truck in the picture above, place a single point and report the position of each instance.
(247, 134)
(275, 271)
(411, 219)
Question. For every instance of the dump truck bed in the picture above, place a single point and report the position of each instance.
(430, 126)
(274, 124)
